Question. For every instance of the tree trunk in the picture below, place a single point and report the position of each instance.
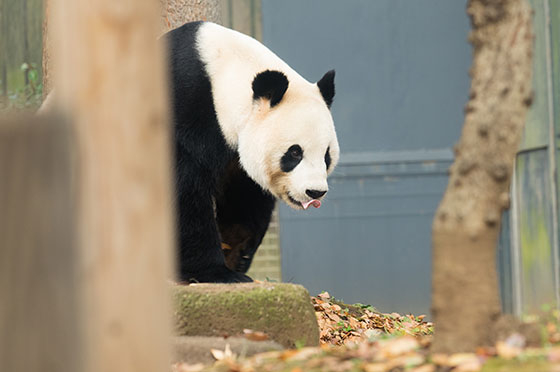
(112, 87)
(178, 12)
(465, 298)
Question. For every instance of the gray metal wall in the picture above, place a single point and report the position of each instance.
(401, 85)
(535, 248)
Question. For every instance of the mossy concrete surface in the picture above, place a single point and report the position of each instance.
(283, 311)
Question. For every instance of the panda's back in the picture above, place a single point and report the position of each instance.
(199, 140)
(190, 84)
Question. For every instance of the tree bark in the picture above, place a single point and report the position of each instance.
(178, 12)
(465, 297)
(112, 87)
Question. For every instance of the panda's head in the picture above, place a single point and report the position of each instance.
(289, 144)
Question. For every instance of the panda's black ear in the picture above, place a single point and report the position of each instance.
(326, 86)
(270, 85)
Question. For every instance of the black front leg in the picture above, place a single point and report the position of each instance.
(243, 211)
(200, 255)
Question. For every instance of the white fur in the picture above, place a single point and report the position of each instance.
(260, 134)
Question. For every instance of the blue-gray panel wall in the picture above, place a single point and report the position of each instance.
(370, 241)
(401, 65)
(401, 84)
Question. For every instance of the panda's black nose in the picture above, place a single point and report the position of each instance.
(315, 194)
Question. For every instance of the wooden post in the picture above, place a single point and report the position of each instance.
(39, 305)
(110, 82)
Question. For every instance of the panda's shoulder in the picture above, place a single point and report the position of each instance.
(218, 42)
(181, 43)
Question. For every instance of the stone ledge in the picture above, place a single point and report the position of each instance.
(283, 311)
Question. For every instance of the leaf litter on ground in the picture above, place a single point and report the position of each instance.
(342, 324)
(360, 338)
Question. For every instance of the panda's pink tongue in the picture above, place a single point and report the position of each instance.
(316, 203)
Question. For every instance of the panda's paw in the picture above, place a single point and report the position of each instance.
(219, 274)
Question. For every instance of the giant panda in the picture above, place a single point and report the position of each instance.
(248, 130)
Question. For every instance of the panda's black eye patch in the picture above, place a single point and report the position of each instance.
(291, 158)
(328, 158)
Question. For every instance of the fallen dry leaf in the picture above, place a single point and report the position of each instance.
(511, 347)
(254, 335)
(375, 367)
(424, 368)
(554, 354)
(440, 359)
(506, 351)
(464, 362)
(303, 354)
(406, 361)
(471, 366)
(398, 346)
(185, 367)
(324, 295)
(222, 355)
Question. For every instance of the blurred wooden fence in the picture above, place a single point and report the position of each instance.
(243, 16)
(21, 34)
(20, 41)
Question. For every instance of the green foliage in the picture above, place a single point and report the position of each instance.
(366, 307)
(344, 328)
(28, 97)
(300, 344)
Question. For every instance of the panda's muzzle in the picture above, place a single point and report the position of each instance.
(294, 201)
(315, 194)
(314, 202)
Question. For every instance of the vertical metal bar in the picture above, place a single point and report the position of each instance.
(253, 28)
(515, 247)
(552, 152)
(230, 13)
